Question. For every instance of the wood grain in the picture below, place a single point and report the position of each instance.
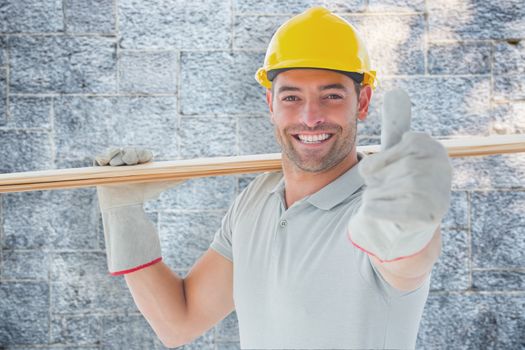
(204, 167)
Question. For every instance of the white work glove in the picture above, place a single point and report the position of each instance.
(131, 238)
(408, 186)
(123, 156)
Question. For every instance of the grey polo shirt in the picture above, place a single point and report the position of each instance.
(299, 283)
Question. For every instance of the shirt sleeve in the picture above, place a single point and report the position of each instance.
(222, 241)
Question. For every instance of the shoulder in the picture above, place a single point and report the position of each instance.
(258, 190)
(263, 184)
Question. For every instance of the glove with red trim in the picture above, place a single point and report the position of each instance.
(408, 187)
(132, 242)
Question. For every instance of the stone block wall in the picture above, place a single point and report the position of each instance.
(177, 77)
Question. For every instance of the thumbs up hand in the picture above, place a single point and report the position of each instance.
(408, 186)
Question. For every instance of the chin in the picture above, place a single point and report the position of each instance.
(316, 166)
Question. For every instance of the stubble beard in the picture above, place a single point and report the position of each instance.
(314, 161)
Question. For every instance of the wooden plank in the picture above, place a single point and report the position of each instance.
(203, 167)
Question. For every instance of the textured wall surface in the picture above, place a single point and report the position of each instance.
(177, 77)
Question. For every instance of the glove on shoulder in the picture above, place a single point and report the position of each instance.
(131, 239)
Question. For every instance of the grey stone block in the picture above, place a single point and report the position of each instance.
(87, 126)
(80, 283)
(3, 51)
(148, 72)
(128, 332)
(204, 342)
(228, 328)
(255, 32)
(451, 271)
(208, 137)
(509, 57)
(396, 6)
(62, 64)
(30, 112)
(498, 224)
(3, 97)
(25, 312)
(202, 194)
(274, 6)
(133, 332)
(475, 19)
(509, 87)
(459, 58)
(350, 6)
(228, 346)
(394, 42)
(174, 24)
(226, 79)
(457, 215)
(185, 236)
(76, 330)
(60, 219)
(498, 280)
(25, 151)
(31, 16)
(490, 172)
(508, 118)
(256, 136)
(51, 347)
(100, 233)
(19, 265)
(441, 106)
(363, 140)
(92, 16)
(472, 321)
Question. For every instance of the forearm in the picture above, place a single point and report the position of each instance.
(133, 248)
(159, 294)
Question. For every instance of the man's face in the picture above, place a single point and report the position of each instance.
(315, 114)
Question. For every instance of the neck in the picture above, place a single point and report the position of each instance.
(300, 183)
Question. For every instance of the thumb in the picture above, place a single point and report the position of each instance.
(396, 117)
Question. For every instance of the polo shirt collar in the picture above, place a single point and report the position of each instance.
(279, 187)
(336, 191)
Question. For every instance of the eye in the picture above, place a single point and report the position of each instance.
(291, 98)
(334, 97)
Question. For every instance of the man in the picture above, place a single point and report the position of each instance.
(335, 251)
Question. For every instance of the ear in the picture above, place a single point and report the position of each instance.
(365, 95)
(269, 102)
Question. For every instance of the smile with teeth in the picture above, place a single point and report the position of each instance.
(313, 138)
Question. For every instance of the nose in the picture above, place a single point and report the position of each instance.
(311, 114)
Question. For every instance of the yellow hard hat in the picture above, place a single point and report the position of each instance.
(317, 38)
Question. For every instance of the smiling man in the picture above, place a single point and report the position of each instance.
(335, 251)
